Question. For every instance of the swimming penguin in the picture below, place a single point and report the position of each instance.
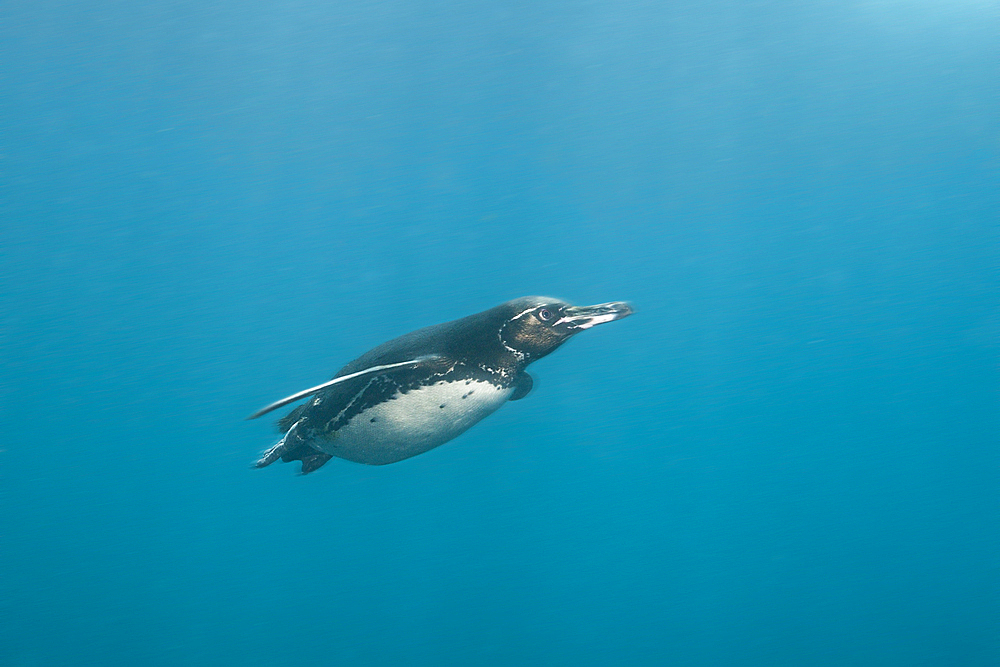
(420, 390)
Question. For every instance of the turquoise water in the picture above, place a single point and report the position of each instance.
(787, 456)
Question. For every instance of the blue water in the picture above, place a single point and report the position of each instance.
(788, 456)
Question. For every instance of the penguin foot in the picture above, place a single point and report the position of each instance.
(271, 455)
(311, 459)
(313, 462)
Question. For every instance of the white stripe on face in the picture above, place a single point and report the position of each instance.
(599, 319)
(587, 321)
(522, 313)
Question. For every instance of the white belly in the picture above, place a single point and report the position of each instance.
(414, 422)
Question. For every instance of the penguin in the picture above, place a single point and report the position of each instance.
(421, 390)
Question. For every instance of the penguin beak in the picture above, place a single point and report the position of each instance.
(578, 318)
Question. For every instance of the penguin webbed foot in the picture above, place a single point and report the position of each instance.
(311, 459)
(313, 462)
(270, 456)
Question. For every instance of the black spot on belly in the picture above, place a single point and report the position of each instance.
(372, 420)
(441, 406)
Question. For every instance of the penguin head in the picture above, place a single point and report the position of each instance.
(538, 325)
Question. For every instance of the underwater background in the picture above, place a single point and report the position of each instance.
(787, 456)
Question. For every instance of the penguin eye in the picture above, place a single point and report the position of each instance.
(544, 315)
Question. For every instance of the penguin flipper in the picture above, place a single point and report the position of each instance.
(342, 378)
(522, 385)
